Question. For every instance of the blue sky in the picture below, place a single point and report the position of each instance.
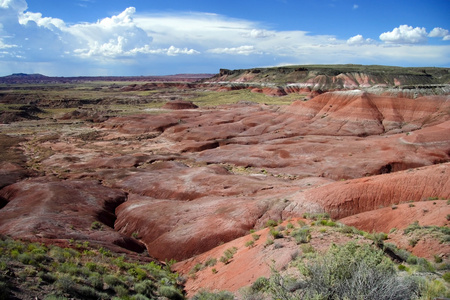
(141, 37)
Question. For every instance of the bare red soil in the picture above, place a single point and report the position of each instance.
(190, 183)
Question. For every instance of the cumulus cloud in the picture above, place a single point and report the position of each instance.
(405, 34)
(137, 40)
(440, 32)
(50, 23)
(16, 5)
(359, 40)
(110, 37)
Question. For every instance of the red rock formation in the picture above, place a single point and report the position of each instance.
(346, 198)
(49, 209)
(179, 104)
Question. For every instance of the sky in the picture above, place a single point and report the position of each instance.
(145, 37)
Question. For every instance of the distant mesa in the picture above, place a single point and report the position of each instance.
(179, 104)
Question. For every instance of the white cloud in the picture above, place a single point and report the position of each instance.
(136, 41)
(50, 23)
(355, 6)
(259, 34)
(242, 50)
(440, 32)
(359, 40)
(405, 34)
(16, 5)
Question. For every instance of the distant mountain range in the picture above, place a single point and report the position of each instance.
(39, 78)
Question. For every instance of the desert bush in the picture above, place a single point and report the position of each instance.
(96, 225)
(96, 281)
(137, 273)
(112, 280)
(205, 295)
(170, 292)
(65, 283)
(228, 255)
(250, 244)
(54, 297)
(437, 259)
(121, 291)
(210, 262)
(316, 216)
(301, 235)
(145, 287)
(268, 242)
(275, 234)
(307, 248)
(432, 289)
(355, 272)
(271, 223)
(196, 268)
(47, 276)
(139, 297)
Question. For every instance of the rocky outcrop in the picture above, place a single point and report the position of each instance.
(179, 104)
(49, 209)
(351, 197)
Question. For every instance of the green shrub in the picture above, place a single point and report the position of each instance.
(65, 283)
(54, 297)
(425, 265)
(269, 242)
(412, 260)
(170, 292)
(138, 273)
(256, 236)
(355, 272)
(139, 297)
(307, 248)
(196, 268)
(250, 244)
(96, 281)
(96, 225)
(261, 284)
(121, 291)
(205, 295)
(301, 235)
(275, 234)
(414, 226)
(437, 259)
(413, 241)
(316, 216)
(432, 289)
(145, 288)
(271, 223)
(446, 276)
(47, 276)
(112, 280)
(301, 223)
(210, 262)
(228, 255)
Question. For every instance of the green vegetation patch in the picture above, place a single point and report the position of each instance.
(211, 98)
(65, 273)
